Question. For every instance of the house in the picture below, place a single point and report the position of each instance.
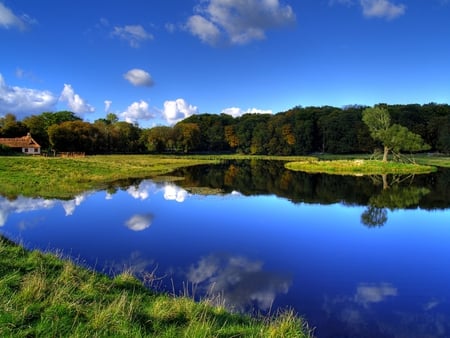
(25, 144)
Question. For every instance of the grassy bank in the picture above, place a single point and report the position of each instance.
(358, 167)
(46, 296)
(66, 177)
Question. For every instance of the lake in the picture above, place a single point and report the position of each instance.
(355, 256)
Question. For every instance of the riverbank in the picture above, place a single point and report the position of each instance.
(64, 178)
(45, 295)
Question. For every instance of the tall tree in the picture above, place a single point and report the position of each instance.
(10, 127)
(393, 137)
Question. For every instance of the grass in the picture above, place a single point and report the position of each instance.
(44, 295)
(358, 167)
(435, 160)
(66, 177)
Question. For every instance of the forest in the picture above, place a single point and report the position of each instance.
(298, 131)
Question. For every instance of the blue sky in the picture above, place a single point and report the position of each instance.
(156, 62)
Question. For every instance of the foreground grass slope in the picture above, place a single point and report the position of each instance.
(46, 296)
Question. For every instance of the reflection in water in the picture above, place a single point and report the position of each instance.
(430, 192)
(241, 283)
(393, 196)
(356, 315)
(374, 293)
(265, 219)
(70, 206)
(22, 205)
(144, 189)
(139, 222)
(174, 193)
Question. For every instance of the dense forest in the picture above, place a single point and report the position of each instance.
(298, 131)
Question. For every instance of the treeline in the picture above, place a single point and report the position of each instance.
(298, 131)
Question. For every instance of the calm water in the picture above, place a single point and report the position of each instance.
(356, 256)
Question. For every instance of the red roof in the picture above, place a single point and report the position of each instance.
(20, 142)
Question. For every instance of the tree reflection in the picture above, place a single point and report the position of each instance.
(260, 177)
(393, 196)
(374, 217)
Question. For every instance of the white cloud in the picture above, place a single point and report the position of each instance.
(137, 111)
(382, 9)
(22, 204)
(374, 293)
(174, 193)
(240, 282)
(236, 112)
(24, 101)
(139, 78)
(70, 206)
(133, 34)
(170, 27)
(74, 101)
(9, 20)
(108, 104)
(139, 222)
(178, 110)
(239, 21)
(375, 8)
(203, 29)
(142, 191)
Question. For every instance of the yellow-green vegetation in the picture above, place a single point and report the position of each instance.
(65, 177)
(42, 295)
(435, 160)
(358, 167)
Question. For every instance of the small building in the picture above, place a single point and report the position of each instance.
(25, 144)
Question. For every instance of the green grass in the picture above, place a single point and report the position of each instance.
(66, 177)
(358, 167)
(435, 160)
(44, 295)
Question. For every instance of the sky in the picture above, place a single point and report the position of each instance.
(156, 62)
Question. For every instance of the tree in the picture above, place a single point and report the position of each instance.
(393, 137)
(74, 136)
(187, 136)
(10, 127)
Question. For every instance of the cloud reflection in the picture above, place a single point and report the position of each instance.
(139, 222)
(372, 311)
(146, 188)
(374, 293)
(241, 282)
(70, 206)
(22, 204)
(174, 193)
(143, 190)
(25, 204)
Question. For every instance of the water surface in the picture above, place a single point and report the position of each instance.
(356, 256)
